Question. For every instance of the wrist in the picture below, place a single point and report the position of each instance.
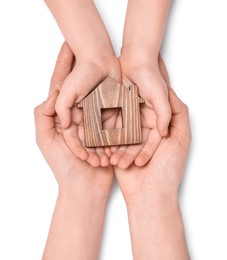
(87, 184)
(94, 51)
(160, 212)
(93, 200)
(157, 201)
(135, 57)
(140, 52)
(156, 227)
(99, 63)
(135, 63)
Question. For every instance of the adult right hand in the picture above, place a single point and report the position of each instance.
(151, 191)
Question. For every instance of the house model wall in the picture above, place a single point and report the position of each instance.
(110, 94)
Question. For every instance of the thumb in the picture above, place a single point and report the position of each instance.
(157, 96)
(180, 122)
(44, 118)
(162, 109)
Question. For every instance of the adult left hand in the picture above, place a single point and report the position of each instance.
(69, 170)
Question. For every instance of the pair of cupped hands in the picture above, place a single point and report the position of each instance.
(161, 156)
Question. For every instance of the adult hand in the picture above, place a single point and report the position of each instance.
(83, 190)
(151, 192)
(68, 169)
(169, 156)
(164, 171)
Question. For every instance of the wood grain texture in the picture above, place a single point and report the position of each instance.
(110, 94)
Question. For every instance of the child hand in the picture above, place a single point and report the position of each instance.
(145, 73)
(140, 154)
(74, 134)
(85, 33)
(84, 77)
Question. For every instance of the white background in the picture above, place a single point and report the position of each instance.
(195, 51)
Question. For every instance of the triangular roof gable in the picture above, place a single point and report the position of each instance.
(107, 91)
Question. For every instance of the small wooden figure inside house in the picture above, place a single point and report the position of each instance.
(110, 94)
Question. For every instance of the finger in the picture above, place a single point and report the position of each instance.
(62, 68)
(163, 111)
(159, 100)
(104, 160)
(132, 151)
(101, 158)
(177, 106)
(129, 156)
(114, 159)
(149, 148)
(44, 118)
(77, 116)
(180, 118)
(71, 136)
(108, 151)
(148, 117)
(76, 86)
(114, 149)
(93, 159)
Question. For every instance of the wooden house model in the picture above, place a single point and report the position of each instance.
(110, 94)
